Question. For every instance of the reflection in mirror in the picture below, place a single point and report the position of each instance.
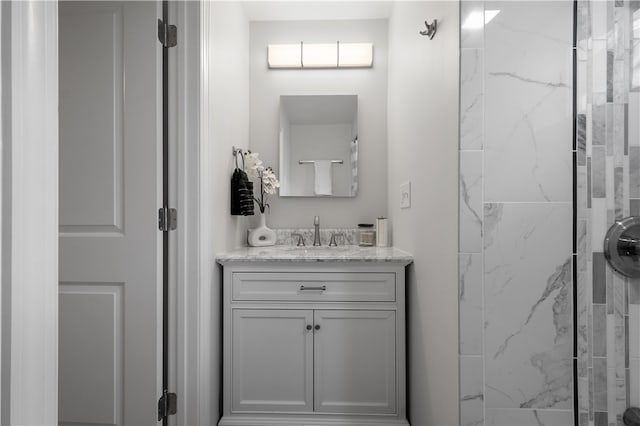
(319, 146)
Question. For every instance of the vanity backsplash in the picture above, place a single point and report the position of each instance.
(284, 236)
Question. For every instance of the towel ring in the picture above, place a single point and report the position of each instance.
(237, 151)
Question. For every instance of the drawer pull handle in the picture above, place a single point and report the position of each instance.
(309, 327)
(317, 327)
(321, 288)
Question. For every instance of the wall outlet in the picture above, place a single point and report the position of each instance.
(405, 195)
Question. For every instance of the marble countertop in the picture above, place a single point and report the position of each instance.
(315, 254)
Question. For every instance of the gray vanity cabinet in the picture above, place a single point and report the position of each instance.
(272, 354)
(314, 343)
(355, 361)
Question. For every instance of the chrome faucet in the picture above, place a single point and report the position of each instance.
(300, 238)
(332, 242)
(316, 234)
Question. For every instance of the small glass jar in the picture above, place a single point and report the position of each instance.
(366, 235)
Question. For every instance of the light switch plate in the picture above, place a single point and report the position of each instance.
(405, 195)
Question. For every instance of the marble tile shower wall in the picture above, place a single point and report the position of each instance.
(608, 188)
(516, 214)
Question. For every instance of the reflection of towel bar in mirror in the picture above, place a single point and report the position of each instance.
(319, 130)
(313, 161)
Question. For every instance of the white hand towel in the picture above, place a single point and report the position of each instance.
(323, 177)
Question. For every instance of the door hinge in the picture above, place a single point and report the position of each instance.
(167, 405)
(167, 219)
(167, 34)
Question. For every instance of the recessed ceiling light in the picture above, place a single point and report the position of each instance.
(474, 21)
(477, 19)
(489, 15)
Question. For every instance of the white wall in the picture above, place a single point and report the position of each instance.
(423, 149)
(369, 84)
(226, 93)
(29, 84)
(229, 91)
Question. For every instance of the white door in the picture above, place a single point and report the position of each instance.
(272, 360)
(355, 362)
(110, 246)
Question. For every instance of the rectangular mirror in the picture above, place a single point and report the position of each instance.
(319, 146)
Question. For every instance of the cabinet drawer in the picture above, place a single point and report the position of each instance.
(316, 286)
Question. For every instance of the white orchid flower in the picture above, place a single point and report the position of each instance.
(253, 164)
(269, 183)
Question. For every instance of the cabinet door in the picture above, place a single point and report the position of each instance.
(355, 362)
(272, 360)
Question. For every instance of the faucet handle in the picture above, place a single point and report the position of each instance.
(332, 242)
(300, 238)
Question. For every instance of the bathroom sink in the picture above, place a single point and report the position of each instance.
(315, 249)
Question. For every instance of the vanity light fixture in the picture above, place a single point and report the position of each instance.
(354, 55)
(477, 19)
(320, 55)
(284, 55)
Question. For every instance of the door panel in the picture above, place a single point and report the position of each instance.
(91, 314)
(272, 364)
(91, 114)
(355, 365)
(110, 247)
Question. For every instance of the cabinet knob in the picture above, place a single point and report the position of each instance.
(317, 327)
(309, 327)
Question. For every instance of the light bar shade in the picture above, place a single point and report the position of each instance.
(320, 55)
(352, 55)
(284, 55)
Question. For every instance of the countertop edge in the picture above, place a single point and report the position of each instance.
(226, 261)
(390, 255)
